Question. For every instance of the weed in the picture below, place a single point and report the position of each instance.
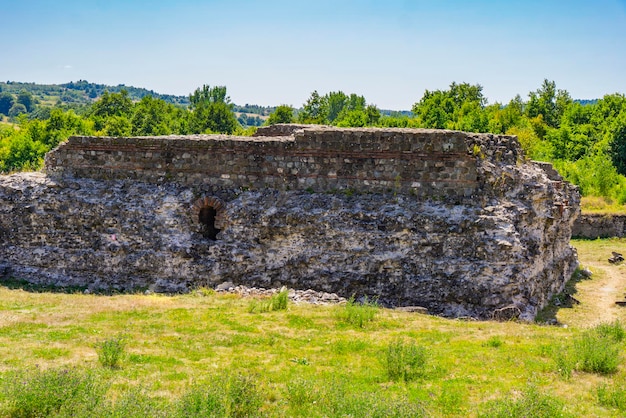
(204, 291)
(303, 361)
(405, 360)
(613, 330)
(596, 354)
(111, 352)
(494, 341)
(358, 314)
(135, 402)
(301, 393)
(276, 302)
(531, 404)
(42, 393)
(243, 397)
(613, 396)
(223, 396)
(595, 351)
(339, 400)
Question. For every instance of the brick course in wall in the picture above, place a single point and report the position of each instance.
(316, 158)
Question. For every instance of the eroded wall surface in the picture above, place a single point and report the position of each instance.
(457, 223)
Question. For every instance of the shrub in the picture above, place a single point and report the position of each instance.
(358, 314)
(42, 393)
(111, 352)
(405, 361)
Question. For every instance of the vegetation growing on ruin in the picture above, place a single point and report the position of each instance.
(206, 354)
(586, 140)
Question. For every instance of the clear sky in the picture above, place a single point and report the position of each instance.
(275, 52)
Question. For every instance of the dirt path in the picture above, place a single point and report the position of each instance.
(607, 285)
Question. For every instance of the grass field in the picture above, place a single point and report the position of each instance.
(206, 354)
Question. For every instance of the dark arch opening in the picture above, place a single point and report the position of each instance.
(206, 217)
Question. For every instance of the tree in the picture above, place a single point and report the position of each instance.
(212, 111)
(17, 109)
(618, 143)
(548, 102)
(26, 99)
(113, 104)
(6, 102)
(460, 107)
(151, 117)
(282, 114)
(315, 110)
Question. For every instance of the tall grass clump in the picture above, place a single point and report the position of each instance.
(405, 360)
(531, 404)
(224, 396)
(111, 352)
(276, 302)
(338, 399)
(356, 313)
(595, 351)
(52, 392)
(612, 396)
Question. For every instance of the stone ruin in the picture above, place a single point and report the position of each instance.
(458, 223)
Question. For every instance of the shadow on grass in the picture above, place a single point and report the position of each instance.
(563, 300)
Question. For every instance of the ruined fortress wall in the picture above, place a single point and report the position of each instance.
(421, 162)
(594, 226)
(454, 222)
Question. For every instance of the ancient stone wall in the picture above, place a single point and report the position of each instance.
(599, 226)
(457, 223)
(318, 159)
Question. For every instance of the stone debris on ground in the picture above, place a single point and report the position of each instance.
(296, 296)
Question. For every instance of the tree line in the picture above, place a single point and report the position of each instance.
(586, 141)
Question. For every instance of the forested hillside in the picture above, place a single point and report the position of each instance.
(585, 139)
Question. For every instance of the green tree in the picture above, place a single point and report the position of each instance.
(6, 102)
(151, 117)
(618, 143)
(117, 126)
(17, 109)
(548, 102)
(460, 107)
(212, 111)
(26, 99)
(282, 114)
(112, 104)
(315, 110)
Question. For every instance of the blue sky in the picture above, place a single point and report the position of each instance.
(278, 51)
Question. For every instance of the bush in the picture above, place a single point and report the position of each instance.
(61, 392)
(405, 361)
(358, 314)
(111, 352)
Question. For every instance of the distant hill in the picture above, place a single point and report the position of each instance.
(83, 92)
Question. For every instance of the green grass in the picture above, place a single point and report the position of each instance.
(205, 350)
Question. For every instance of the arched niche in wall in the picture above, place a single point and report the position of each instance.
(209, 212)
